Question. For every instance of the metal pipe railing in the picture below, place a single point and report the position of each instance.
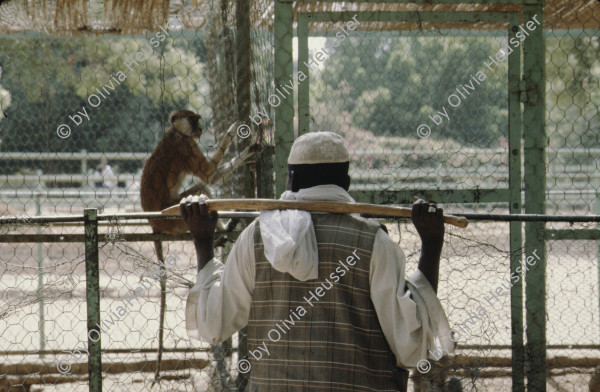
(29, 221)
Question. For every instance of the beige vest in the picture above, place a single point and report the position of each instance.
(322, 334)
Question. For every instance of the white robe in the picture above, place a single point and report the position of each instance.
(412, 321)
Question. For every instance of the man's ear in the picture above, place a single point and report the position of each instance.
(290, 181)
(347, 183)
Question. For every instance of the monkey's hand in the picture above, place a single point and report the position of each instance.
(200, 221)
(232, 131)
(255, 148)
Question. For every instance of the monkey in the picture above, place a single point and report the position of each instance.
(175, 156)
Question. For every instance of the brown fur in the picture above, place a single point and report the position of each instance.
(175, 156)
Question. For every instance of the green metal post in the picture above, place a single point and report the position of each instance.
(243, 99)
(92, 290)
(514, 167)
(535, 141)
(264, 173)
(284, 111)
(598, 258)
(304, 86)
(40, 256)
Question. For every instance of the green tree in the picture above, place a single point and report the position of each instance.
(47, 79)
(392, 84)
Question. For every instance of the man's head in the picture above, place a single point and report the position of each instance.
(318, 158)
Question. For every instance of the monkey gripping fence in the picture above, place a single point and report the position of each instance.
(525, 140)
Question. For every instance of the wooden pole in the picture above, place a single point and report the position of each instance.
(314, 206)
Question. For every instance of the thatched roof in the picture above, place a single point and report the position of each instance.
(68, 17)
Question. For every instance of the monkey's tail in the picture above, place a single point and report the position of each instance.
(163, 308)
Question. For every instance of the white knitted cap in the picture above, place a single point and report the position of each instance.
(318, 147)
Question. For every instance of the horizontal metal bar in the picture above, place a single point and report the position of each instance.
(113, 351)
(75, 238)
(458, 33)
(437, 195)
(549, 346)
(66, 193)
(202, 350)
(511, 218)
(587, 234)
(516, 218)
(411, 16)
(146, 237)
(75, 156)
(6, 156)
(530, 217)
(428, 2)
(158, 215)
(26, 220)
(135, 194)
(70, 177)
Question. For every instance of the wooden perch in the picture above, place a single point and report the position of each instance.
(313, 206)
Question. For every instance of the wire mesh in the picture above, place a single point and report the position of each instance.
(70, 100)
(46, 81)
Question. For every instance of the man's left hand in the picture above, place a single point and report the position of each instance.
(429, 221)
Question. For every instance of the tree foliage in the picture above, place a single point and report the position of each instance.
(49, 79)
(391, 85)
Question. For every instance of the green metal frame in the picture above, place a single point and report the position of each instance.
(530, 91)
(92, 291)
(512, 195)
(529, 125)
(534, 146)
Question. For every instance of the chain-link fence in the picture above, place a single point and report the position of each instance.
(429, 105)
(81, 84)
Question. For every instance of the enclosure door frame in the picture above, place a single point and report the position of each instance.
(511, 195)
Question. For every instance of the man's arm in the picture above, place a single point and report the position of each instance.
(219, 303)
(429, 222)
(201, 224)
(409, 312)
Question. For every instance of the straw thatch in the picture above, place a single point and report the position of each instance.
(69, 17)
